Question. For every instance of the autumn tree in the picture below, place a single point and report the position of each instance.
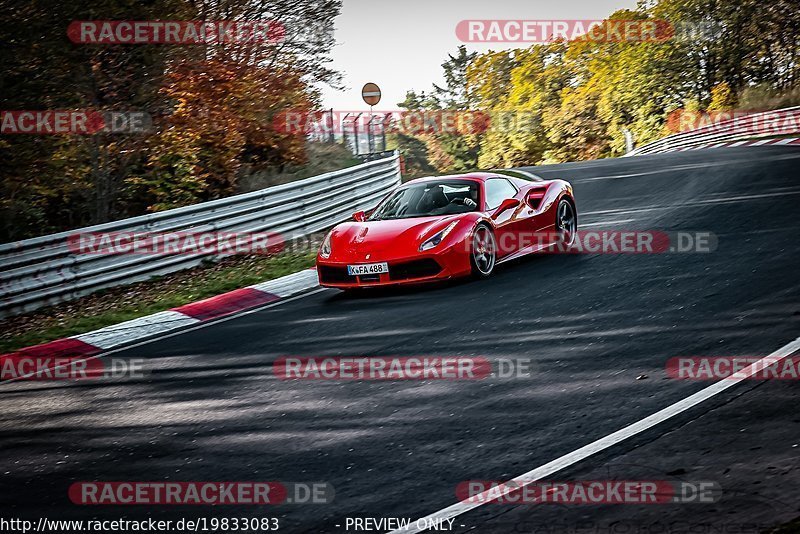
(55, 182)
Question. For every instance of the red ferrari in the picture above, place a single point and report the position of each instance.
(446, 227)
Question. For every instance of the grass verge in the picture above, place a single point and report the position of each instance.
(123, 303)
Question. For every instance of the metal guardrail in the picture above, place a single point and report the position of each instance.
(43, 270)
(765, 124)
(375, 155)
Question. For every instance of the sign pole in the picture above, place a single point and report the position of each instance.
(371, 94)
(370, 133)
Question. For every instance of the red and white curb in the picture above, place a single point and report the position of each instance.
(750, 142)
(117, 335)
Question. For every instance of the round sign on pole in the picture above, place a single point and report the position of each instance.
(371, 93)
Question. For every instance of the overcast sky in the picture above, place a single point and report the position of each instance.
(400, 45)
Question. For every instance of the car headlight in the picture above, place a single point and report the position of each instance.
(325, 249)
(437, 238)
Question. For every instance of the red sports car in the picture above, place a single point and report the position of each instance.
(445, 227)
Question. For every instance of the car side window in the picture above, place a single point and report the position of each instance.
(497, 190)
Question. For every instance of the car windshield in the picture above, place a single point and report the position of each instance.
(429, 198)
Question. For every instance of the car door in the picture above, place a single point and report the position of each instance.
(540, 219)
(507, 222)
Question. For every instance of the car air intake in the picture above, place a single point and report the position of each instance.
(414, 269)
(334, 275)
(535, 197)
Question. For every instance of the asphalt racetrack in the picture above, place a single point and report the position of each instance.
(598, 329)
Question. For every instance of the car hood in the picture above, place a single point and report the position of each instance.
(352, 241)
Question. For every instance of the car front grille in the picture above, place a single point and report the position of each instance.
(414, 269)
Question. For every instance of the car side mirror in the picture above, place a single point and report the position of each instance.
(507, 204)
(360, 216)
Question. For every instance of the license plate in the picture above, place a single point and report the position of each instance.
(368, 268)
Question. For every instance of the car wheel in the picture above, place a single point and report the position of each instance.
(483, 253)
(566, 222)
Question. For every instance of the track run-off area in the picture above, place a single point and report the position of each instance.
(597, 328)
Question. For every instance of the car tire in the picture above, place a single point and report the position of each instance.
(483, 251)
(566, 222)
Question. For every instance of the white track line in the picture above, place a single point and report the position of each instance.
(601, 444)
